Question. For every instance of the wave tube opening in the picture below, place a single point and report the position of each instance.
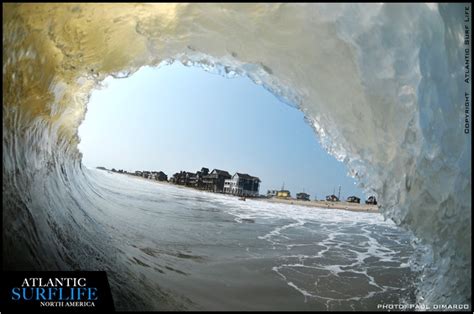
(128, 113)
(382, 85)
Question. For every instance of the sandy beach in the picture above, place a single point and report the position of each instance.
(324, 204)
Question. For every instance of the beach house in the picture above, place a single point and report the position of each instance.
(302, 196)
(272, 193)
(332, 198)
(371, 200)
(159, 176)
(242, 184)
(200, 177)
(190, 179)
(353, 199)
(283, 194)
(215, 180)
(179, 178)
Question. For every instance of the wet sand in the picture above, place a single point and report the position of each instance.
(325, 204)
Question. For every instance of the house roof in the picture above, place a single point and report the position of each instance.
(220, 172)
(246, 176)
(302, 193)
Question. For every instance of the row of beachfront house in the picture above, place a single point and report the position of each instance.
(285, 194)
(152, 175)
(219, 181)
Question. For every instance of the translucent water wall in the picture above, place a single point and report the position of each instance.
(383, 86)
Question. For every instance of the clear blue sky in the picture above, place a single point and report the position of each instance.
(183, 118)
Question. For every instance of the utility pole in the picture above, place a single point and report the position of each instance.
(339, 194)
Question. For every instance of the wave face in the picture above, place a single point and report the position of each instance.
(382, 85)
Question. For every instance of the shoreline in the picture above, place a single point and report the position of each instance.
(354, 207)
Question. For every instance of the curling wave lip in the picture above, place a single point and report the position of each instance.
(379, 83)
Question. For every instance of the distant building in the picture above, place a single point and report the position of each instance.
(190, 179)
(302, 196)
(371, 200)
(215, 180)
(138, 173)
(161, 176)
(158, 176)
(179, 178)
(200, 176)
(242, 184)
(272, 193)
(332, 198)
(146, 174)
(175, 178)
(353, 199)
(283, 194)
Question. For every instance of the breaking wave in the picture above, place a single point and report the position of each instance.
(382, 85)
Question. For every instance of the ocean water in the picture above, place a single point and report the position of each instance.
(210, 251)
(382, 85)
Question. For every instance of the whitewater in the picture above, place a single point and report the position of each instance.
(381, 84)
(196, 250)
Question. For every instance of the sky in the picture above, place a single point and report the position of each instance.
(176, 118)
